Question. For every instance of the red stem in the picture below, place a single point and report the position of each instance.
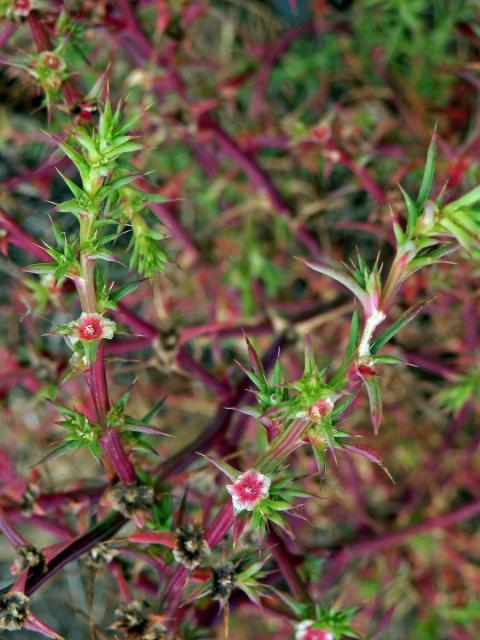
(113, 449)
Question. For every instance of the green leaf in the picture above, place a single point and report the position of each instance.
(231, 473)
(430, 258)
(258, 381)
(118, 183)
(59, 235)
(277, 373)
(394, 328)
(75, 189)
(86, 142)
(343, 404)
(120, 149)
(124, 291)
(326, 426)
(462, 236)
(275, 517)
(90, 347)
(464, 202)
(412, 210)
(320, 458)
(105, 121)
(77, 160)
(399, 235)
(57, 452)
(153, 197)
(277, 505)
(71, 206)
(41, 268)
(467, 220)
(154, 411)
(257, 520)
(342, 276)
(350, 350)
(429, 173)
(387, 360)
(372, 384)
(128, 125)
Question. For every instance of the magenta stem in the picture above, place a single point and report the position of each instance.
(14, 538)
(115, 452)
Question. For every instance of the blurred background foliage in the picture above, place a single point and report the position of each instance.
(323, 108)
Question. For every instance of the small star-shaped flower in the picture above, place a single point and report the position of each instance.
(248, 490)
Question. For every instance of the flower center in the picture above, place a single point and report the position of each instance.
(91, 329)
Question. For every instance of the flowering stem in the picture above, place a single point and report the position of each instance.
(102, 531)
(218, 528)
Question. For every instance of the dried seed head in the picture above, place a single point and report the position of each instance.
(134, 620)
(130, 498)
(100, 556)
(28, 499)
(223, 581)
(190, 545)
(14, 611)
(169, 339)
(165, 347)
(28, 556)
(155, 631)
(131, 617)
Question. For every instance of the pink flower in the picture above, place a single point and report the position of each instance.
(306, 631)
(248, 490)
(92, 326)
(21, 8)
